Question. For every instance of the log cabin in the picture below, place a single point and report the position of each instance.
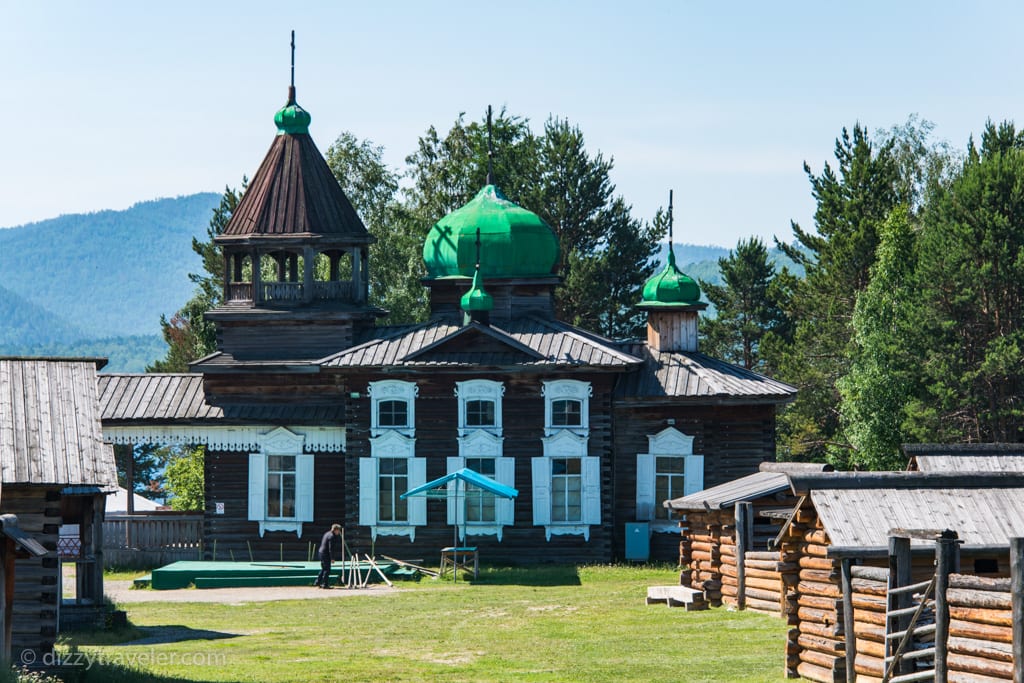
(966, 457)
(839, 535)
(312, 413)
(54, 469)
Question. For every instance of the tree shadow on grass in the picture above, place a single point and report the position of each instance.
(158, 635)
(537, 575)
(106, 672)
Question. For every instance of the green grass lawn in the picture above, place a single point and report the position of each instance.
(536, 624)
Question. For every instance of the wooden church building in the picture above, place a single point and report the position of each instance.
(313, 414)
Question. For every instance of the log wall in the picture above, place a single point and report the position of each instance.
(980, 645)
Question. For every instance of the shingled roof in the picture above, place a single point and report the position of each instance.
(674, 374)
(294, 194)
(50, 424)
(525, 341)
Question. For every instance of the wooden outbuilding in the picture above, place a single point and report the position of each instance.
(54, 469)
(852, 596)
(728, 539)
(967, 457)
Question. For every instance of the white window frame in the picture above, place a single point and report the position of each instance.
(281, 441)
(483, 446)
(391, 444)
(479, 390)
(566, 444)
(571, 389)
(393, 390)
(669, 442)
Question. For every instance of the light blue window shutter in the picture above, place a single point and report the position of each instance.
(505, 473)
(591, 474)
(417, 504)
(257, 486)
(694, 473)
(304, 487)
(456, 512)
(541, 491)
(368, 491)
(645, 486)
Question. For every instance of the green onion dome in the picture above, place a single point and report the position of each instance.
(476, 299)
(514, 242)
(671, 287)
(292, 119)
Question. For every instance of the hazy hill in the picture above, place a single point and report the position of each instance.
(701, 261)
(106, 274)
(96, 284)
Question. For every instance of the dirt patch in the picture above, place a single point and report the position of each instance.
(121, 592)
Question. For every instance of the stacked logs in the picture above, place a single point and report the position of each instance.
(815, 649)
(700, 551)
(770, 579)
(870, 587)
(980, 629)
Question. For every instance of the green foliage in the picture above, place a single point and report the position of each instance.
(883, 377)
(853, 201)
(748, 307)
(147, 468)
(184, 480)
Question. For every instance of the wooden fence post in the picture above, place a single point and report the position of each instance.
(744, 542)
(850, 641)
(899, 576)
(1017, 606)
(947, 556)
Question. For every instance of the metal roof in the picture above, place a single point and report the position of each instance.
(673, 374)
(864, 517)
(771, 479)
(986, 457)
(525, 341)
(50, 429)
(180, 397)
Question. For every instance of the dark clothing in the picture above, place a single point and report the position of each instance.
(330, 545)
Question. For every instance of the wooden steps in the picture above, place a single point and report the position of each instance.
(677, 596)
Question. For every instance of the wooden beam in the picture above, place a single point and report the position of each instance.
(1017, 606)
(947, 561)
(744, 541)
(850, 641)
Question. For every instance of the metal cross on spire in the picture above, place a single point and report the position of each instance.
(291, 88)
(490, 164)
(670, 219)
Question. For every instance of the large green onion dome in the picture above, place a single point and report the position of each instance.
(671, 287)
(514, 242)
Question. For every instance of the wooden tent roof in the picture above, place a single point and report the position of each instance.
(673, 375)
(858, 510)
(294, 195)
(50, 424)
(987, 457)
(130, 398)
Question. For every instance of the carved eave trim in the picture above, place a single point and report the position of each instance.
(248, 438)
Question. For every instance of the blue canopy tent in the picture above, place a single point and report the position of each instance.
(452, 483)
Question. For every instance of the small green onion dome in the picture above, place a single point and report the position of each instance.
(515, 242)
(671, 287)
(476, 299)
(292, 119)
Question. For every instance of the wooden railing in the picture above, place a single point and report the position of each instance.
(282, 291)
(240, 291)
(339, 289)
(151, 539)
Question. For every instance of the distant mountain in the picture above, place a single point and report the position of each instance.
(701, 261)
(104, 274)
(96, 284)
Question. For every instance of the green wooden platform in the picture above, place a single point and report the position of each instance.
(249, 574)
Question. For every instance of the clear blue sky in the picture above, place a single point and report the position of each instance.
(106, 104)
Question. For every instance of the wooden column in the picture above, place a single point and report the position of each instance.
(6, 596)
(1017, 606)
(308, 261)
(850, 640)
(744, 542)
(257, 277)
(947, 560)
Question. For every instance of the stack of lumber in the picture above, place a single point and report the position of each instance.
(704, 556)
(980, 629)
(770, 580)
(815, 648)
(870, 585)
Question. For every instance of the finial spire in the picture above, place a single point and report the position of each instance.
(671, 248)
(291, 88)
(490, 171)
